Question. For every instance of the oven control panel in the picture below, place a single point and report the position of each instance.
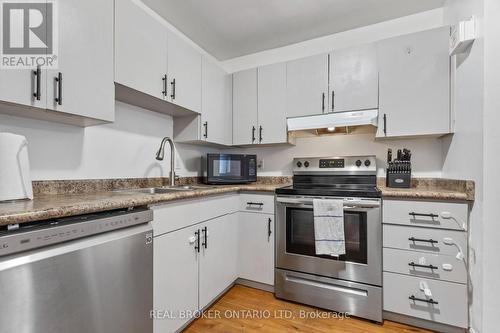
(335, 164)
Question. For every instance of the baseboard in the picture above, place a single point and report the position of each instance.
(255, 285)
(422, 323)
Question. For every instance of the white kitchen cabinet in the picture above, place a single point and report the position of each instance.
(354, 78)
(216, 115)
(245, 107)
(414, 84)
(19, 87)
(219, 255)
(184, 74)
(175, 277)
(256, 247)
(272, 104)
(140, 50)
(307, 86)
(85, 60)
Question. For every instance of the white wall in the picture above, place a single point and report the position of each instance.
(371, 33)
(491, 225)
(123, 149)
(463, 152)
(427, 153)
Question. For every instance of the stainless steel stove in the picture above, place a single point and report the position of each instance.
(349, 283)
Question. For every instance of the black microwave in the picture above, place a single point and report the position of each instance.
(229, 168)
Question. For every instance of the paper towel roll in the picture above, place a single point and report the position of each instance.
(15, 180)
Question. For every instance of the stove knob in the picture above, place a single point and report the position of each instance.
(299, 164)
(368, 163)
(358, 163)
(306, 164)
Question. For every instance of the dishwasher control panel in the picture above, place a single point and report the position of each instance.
(39, 234)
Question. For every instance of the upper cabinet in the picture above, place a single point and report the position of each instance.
(259, 105)
(83, 82)
(245, 107)
(184, 74)
(140, 50)
(414, 84)
(153, 65)
(271, 115)
(354, 79)
(79, 91)
(307, 86)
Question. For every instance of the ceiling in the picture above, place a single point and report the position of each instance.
(232, 28)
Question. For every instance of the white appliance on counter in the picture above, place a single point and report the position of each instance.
(15, 180)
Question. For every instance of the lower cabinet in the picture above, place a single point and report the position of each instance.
(256, 247)
(175, 278)
(192, 266)
(219, 255)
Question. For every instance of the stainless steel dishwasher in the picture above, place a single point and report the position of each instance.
(92, 273)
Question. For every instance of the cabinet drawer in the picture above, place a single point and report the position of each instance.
(424, 239)
(446, 268)
(451, 298)
(426, 214)
(260, 203)
(180, 214)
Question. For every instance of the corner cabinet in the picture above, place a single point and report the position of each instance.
(259, 106)
(307, 86)
(80, 91)
(214, 125)
(414, 84)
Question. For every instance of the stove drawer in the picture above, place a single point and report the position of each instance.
(445, 215)
(418, 264)
(450, 299)
(424, 239)
(258, 203)
(357, 299)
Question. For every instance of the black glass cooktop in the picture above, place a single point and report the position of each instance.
(338, 186)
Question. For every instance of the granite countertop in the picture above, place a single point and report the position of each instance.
(49, 206)
(59, 199)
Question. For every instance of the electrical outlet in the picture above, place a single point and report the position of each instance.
(260, 164)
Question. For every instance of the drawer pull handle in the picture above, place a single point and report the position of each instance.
(423, 215)
(430, 300)
(412, 264)
(255, 204)
(432, 241)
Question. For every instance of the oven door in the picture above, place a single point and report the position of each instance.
(295, 249)
(226, 169)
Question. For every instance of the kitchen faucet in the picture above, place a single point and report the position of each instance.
(160, 154)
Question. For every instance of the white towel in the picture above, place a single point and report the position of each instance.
(329, 226)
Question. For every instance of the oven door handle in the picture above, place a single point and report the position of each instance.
(348, 204)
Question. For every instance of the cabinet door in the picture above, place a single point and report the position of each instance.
(256, 247)
(414, 84)
(184, 74)
(307, 86)
(272, 103)
(354, 78)
(175, 277)
(19, 86)
(219, 254)
(85, 60)
(140, 49)
(215, 116)
(245, 107)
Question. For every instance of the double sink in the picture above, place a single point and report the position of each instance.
(165, 190)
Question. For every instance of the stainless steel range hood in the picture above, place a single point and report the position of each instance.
(334, 120)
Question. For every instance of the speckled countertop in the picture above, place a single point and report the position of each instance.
(49, 206)
(55, 202)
